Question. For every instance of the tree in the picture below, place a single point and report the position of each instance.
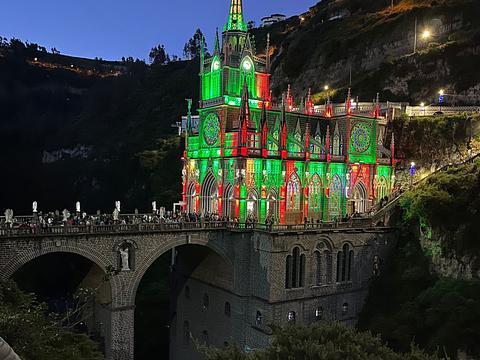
(322, 341)
(33, 335)
(158, 55)
(192, 47)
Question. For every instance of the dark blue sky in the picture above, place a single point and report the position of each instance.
(111, 29)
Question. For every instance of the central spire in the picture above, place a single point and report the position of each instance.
(235, 19)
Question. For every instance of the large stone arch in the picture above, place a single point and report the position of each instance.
(21, 258)
(165, 247)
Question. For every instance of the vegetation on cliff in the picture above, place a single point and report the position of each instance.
(33, 336)
(323, 341)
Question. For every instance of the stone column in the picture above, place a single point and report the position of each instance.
(120, 344)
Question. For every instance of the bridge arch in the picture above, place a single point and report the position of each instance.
(22, 258)
(164, 248)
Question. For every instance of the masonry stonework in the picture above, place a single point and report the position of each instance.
(234, 293)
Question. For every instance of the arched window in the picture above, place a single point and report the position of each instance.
(247, 72)
(187, 292)
(215, 79)
(295, 270)
(186, 332)
(272, 204)
(252, 205)
(191, 194)
(318, 267)
(335, 200)
(382, 188)
(228, 200)
(293, 193)
(206, 301)
(228, 310)
(209, 195)
(258, 318)
(315, 192)
(336, 144)
(359, 198)
(291, 317)
(345, 259)
(327, 256)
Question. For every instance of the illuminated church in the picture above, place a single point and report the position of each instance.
(250, 159)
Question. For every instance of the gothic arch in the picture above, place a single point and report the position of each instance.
(360, 198)
(315, 198)
(252, 203)
(191, 198)
(272, 203)
(209, 194)
(228, 200)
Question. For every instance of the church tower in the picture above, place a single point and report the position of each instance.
(224, 74)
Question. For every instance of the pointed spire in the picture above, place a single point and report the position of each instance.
(376, 107)
(289, 99)
(309, 109)
(328, 149)
(267, 53)
(264, 129)
(328, 109)
(307, 141)
(348, 102)
(392, 148)
(298, 128)
(217, 44)
(244, 106)
(235, 19)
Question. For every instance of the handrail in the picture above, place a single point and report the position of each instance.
(354, 223)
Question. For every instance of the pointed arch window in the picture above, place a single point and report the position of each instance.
(382, 187)
(335, 201)
(315, 194)
(322, 264)
(209, 194)
(247, 71)
(345, 259)
(216, 78)
(295, 269)
(293, 193)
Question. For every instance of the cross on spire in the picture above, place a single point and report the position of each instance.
(235, 19)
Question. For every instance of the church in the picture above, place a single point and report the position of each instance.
(253, 160)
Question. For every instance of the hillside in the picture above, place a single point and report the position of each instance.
(376, 42)
(98, 131)
(69, 135)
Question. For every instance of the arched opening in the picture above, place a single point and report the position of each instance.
(382, 189)
(252, 206)
(315, 195)
(294, 200)
(272, 205)
(228, 201)
(74, 288)
(191, 199)
(178, 300)
(209, 195)
(335, 199)
(359, 199)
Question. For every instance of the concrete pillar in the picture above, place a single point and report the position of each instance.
(119, 345)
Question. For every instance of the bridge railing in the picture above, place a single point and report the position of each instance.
(364, 222)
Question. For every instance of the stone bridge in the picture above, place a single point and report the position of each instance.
(274, 274)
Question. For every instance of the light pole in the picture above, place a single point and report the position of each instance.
(426, 34)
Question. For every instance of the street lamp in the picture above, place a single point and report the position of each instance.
(422, 106)
(326, 87)
(426, 34)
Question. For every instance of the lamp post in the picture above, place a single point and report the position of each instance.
(441, 94)
(426, 34)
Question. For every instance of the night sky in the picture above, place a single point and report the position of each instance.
(110, 29)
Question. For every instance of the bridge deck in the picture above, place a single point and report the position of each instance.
(352, 225)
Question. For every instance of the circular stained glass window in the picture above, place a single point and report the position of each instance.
(211, 128)
(361, 137)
